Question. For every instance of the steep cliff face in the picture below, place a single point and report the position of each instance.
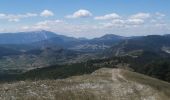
(103, 84)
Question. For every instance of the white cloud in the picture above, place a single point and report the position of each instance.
(46, 13)
(43, 25)
(108, 17)
(17, 17)
(82, 13)
(25, 28)
(140, 16)
(159, 15)
(135, 21)
(119, 27)
(2, 15)
(137, 24)
(114, 23)
(47, 23)
(124, 23)
(118, 21)
(65, 28)
(31, 14)
(13, 20)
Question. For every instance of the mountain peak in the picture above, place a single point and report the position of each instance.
(26, 37)
(111, 35)
(39, 32)
(44, 31)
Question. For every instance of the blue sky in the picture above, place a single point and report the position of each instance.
(86, 18)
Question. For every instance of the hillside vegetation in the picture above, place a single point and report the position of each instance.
(147, 63)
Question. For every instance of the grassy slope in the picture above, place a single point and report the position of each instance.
(103, 84)
(159, 85)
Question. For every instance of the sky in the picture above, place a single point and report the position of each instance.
(86, 18)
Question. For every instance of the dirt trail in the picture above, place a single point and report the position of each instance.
(116, 75)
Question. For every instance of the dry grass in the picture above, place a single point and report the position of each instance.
(100, 85)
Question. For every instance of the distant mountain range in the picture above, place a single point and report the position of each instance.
(109, 43)
(29, 50)
(35, 36)
(25, 37)
(153, 43)
(46, 39)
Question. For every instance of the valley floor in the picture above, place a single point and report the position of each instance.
(103, 84)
